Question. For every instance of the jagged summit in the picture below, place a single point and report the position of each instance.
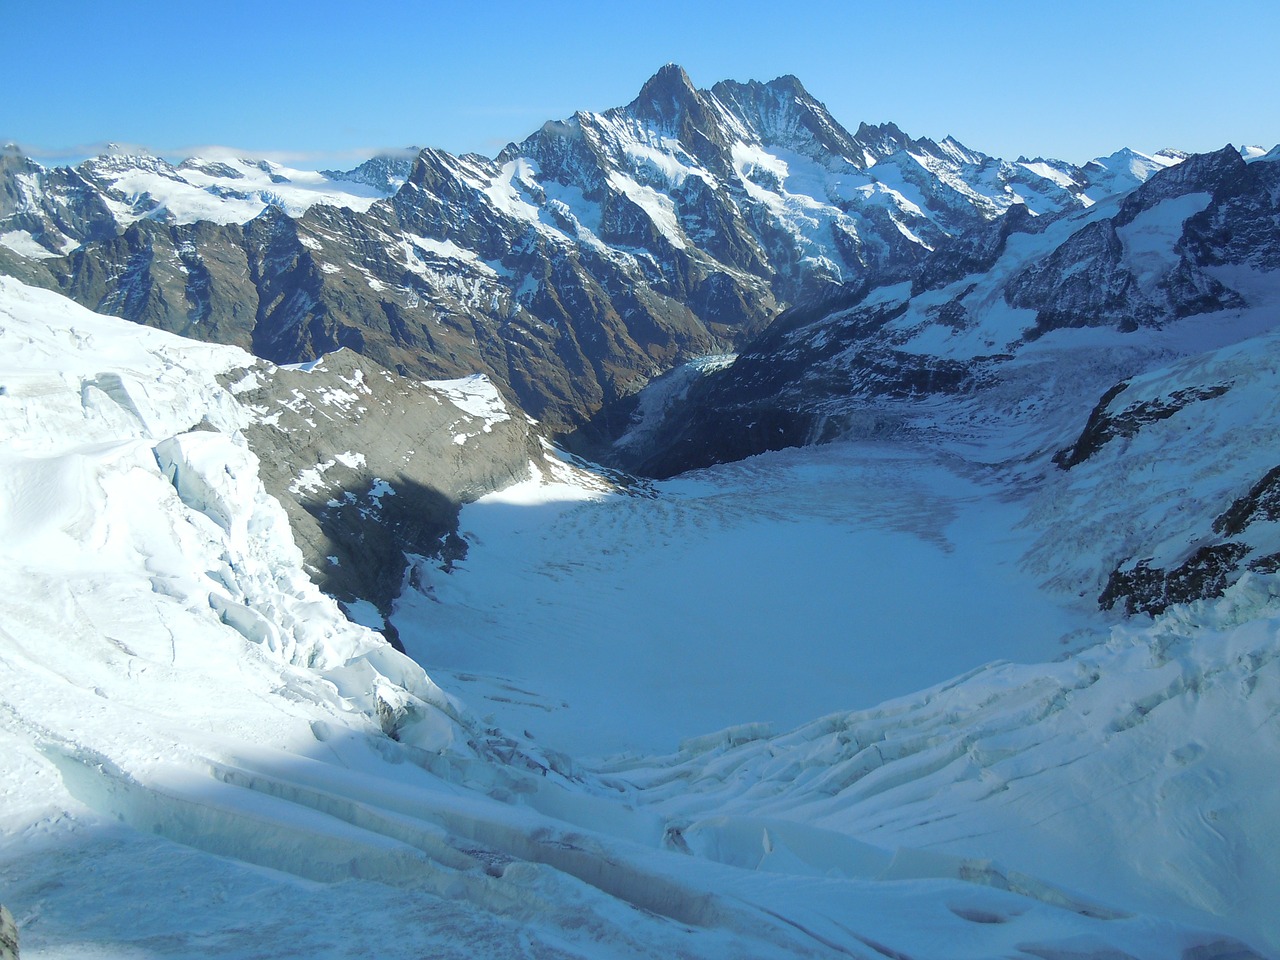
(782, 113)
(591, 256)
(670, 78)
(789, 83)
(889, 133)
(666, 96)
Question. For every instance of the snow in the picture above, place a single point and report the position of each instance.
(22, 243)
(1141, 493)
(570, 201)
(657, 206)
(814, 554)
(448, 250)
(1049, 172)
(662, 162)
(474, 395)
(505, 192)
(991, 324)
(1149, 239)
(194, 748)
(802, 195)
(312, 479)
(1126, 732)
(1123, 171)
(228, 190)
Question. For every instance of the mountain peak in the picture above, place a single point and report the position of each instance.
(881, 140)
(669, 86)
(783, 113)
(790, 84)
(670, 103)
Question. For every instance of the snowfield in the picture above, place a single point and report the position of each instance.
(200, 755)
(794, 584)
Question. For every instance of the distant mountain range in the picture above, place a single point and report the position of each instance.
(861, 278)
(596, 254)
(1059, 389)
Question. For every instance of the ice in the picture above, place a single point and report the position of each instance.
(21, 242)
(1149, 239)
(505, 192)
(658, 206)
(763, 592)
(1124, 170)
(450, 251)
(229, 190)
(199, 754)
(664, 394)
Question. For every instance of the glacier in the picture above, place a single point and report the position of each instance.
(201, 754)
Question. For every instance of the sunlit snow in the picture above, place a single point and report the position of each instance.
(199, 755)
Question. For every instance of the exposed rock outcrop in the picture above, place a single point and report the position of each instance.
(372, 467)
(8, 936)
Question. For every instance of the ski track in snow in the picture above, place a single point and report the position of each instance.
(193, 758)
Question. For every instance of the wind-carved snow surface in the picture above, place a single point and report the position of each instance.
(194, 748)
(762, 591)
(1133, 771)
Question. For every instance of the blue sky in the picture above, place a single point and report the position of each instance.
(325, 82)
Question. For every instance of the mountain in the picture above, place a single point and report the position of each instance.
(942, 624)
(1014, 331)
(1171, 249)
(598, 253)
(198, 743)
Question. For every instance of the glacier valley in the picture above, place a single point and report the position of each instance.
(699, 531)
(770, 709)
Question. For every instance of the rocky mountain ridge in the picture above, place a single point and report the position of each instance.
(1196, 239)
(580, 263)
(1005, 340)
(915, 278)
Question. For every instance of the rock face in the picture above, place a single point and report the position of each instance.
(599, 252)
(1226, 533)
(8, 936)
(1171, 493)
(1107, 422)
(1106, 275)
(372, 468)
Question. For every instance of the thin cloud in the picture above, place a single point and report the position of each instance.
(298, 158)
(306, 158)
(77, 152)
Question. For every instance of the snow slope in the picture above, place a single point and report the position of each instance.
(1140, 771)
(230, 190)
(198, 754)
(1127, 777)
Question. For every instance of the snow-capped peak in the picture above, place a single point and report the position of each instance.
(666, 97)
(1124, 170)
